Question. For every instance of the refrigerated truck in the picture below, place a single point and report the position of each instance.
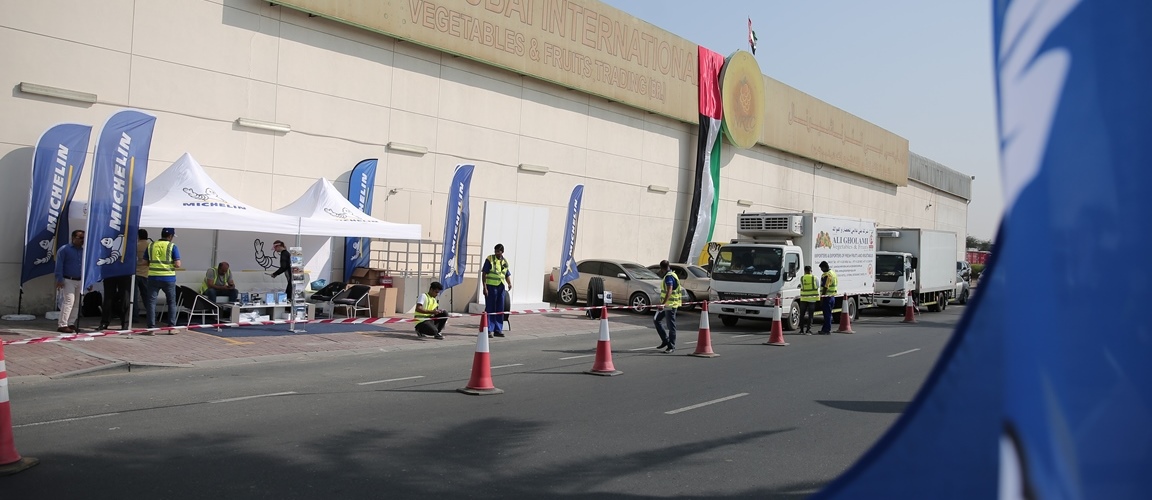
(916, 263)
(768, 258)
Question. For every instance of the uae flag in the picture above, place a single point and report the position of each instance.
(702, 216)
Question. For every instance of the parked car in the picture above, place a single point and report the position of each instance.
(963, 270)
(962, 290)
(695, 281)
(629, 282)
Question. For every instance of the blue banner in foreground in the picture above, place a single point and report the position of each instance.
(360, 187)
(568, 270)
(118, 176)
(455, 256)
(56, 168)
(1031, 399)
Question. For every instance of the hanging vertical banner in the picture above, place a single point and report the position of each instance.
(119, 171)
(568, 270)
(56, 168)
(702, 215)
(360, 187)
(455, 256)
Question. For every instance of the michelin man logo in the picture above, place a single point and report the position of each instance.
(345, 214)
(47, 246)
(262, 259)
(116, 248)
(357, 248)
(207, 195)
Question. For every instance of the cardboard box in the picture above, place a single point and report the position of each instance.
(372, 277)
(382, 301)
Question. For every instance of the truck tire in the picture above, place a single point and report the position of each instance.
(935, 306)
(729, 320)
(595, 297)
(853, 308)
(791, 320)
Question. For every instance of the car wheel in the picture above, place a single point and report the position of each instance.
(688, 297)
(964, 297)
(729, 320)
(567, 295)
(639, 302)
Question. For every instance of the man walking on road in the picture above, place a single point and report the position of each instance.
(69, 265)
(669, 303)
(827, 296)
(496, 275)
(809, 295)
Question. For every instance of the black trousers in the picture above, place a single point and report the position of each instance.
(116, 299)
(807, 311)
(432, 326)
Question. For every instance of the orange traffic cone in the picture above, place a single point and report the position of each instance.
(909, 310)
(777, 337)
(845, 318)
(481, 382)
(704, 341)
(603, 365)
(10, 461)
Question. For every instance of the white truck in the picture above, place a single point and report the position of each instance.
(919, 263)
(769, 255)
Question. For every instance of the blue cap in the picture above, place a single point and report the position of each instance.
(167, 232)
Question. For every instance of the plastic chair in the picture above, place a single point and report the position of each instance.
(353, 299)
(325, 295)
(191, 302)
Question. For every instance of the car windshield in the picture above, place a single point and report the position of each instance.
(754, 264)
(889, 268)
(639, 272)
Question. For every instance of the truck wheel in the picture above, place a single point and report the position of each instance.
(853, 309)
(963, 297)
(935, 307)
(943, 299)
(791, 320)
(728, 320)
(567, 294)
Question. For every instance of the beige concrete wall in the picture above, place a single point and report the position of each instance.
(198, 65)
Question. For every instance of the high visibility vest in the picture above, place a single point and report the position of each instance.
(215, 279)
(809, 292)
(430, 304)
(673, 301)
(160, 259)
(497, 268)
(830, 282)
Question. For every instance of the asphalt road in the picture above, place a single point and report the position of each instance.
(755, 422)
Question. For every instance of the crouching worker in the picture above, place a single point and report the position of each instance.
(426, 309)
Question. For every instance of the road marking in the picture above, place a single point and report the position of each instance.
(234, 342)
(745, 335)
(577, 357)
(390, 380)
(507, 366)
(706, 403)
(643, 348)
(64, 420)
(229, 400)
(903, 353)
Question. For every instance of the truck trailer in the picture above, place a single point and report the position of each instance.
(766, 261)
(915, 263)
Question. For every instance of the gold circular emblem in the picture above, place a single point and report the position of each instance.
(742, 95)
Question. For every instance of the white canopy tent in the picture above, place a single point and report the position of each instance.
(323, 211)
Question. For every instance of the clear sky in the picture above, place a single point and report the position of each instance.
(921, 69)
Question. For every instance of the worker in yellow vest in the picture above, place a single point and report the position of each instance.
(428, 311)
(809, 296)
(163, 260)
(828, 284)
(496, 275)
(669, 301)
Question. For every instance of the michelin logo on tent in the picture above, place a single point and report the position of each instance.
(346, 215)
(208, 198)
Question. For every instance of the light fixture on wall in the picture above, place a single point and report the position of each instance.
(656, 188)
(59, 93)
(262, 125)
(928, 206)
(744, 203)
(407, 148)
(538, 169)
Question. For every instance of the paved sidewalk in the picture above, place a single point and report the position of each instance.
(237, 345)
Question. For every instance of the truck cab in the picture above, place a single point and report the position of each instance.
(754, 274)
(895, 278)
